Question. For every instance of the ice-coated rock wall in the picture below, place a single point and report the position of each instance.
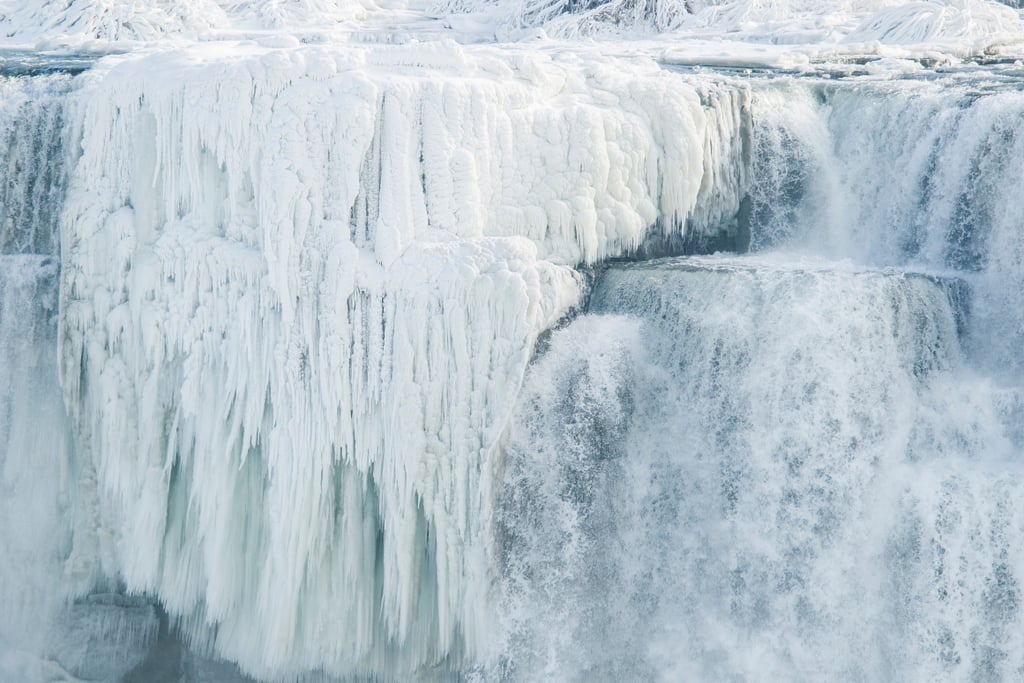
(300, 289)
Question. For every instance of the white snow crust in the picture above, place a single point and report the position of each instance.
(102, 24)
(300, 289)
(815, 29)
(725, 29)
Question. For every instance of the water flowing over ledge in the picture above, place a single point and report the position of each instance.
(300, 288)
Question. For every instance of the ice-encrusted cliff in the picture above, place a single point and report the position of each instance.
(299, 292)
(300, 286)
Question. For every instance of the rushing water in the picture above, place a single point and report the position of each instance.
(797, 463)
(805, 463)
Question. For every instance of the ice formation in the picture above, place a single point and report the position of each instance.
(277, 386)
(731, 466)
(291, 336)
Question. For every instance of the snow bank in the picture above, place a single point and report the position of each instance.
(57, 21)
(113, 25)
(101, 24)
(934, 22)
(970, 25)
(300, 289)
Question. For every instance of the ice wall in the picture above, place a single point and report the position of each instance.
(299, 292)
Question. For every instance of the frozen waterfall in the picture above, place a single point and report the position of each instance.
(446, 362)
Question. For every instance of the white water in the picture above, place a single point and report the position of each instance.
(747, 469)
(784, 466)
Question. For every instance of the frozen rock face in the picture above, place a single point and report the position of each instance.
(300, 290)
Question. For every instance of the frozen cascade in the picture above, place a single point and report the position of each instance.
(33, 454)
(299, 292)
(31, 152)
(917, 172)
(33, 451)
(788, 466)
(52, 623)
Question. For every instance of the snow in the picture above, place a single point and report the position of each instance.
(814, 29)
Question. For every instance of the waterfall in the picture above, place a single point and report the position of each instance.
(801, 464)
(34, 448)
(729, 467)
(429, 362)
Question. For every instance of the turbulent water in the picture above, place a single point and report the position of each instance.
(272, 409)
(804, 464)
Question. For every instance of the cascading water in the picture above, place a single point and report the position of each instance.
(34, 458)
(802, 464)
(57, 617)
(728, 468)
(264, 396)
